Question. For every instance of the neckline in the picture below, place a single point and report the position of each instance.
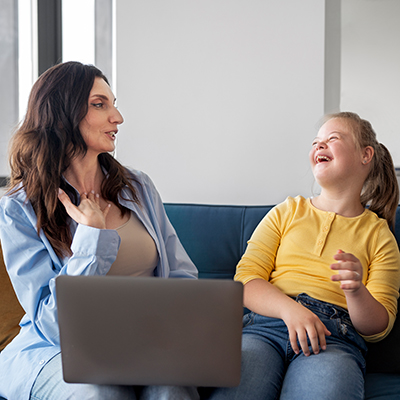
(125, 223)
(309, 202)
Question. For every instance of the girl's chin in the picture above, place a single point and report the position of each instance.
(321, 180)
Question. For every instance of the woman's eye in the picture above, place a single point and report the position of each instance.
(97, 105)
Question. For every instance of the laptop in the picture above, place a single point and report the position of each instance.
(150, 331)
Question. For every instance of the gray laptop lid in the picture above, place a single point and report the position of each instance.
(150, 331)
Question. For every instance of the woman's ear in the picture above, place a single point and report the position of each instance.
(368, 153)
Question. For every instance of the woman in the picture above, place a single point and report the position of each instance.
(321, 275)
(72, 209)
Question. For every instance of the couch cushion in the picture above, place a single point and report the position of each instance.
(382, 387)
(251, 218)
(397, 226)
(384, 356)
(215, 236)
(10, 310)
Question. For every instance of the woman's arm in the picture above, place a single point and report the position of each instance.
(33, 265)
(179, 263)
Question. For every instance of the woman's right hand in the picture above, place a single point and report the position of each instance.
(88, 212)
(302, 324)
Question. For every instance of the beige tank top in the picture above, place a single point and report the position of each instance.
(137, 254)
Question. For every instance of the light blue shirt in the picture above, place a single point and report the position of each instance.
(33, 266)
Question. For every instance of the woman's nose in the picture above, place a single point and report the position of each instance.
(117, 117)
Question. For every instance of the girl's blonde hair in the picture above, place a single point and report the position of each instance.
(381, 189)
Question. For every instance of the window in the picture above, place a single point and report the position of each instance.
(36, 34)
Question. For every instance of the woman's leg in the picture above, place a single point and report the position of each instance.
(263, 361)
(50, 384)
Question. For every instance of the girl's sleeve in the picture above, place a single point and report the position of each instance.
(33, 265)
(383, 280)
(258, 261)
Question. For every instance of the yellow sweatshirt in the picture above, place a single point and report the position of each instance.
(293, 248)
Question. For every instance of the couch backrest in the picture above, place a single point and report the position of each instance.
(215, 236)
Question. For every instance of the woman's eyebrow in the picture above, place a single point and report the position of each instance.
(102, 96)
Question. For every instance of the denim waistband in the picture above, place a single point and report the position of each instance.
(328, 309)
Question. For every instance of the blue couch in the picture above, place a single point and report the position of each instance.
(215, 237)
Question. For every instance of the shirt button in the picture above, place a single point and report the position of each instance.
(41, 362)
(326, 228)
(320, 242)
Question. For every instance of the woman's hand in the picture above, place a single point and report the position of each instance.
(88, 212)
(350, 271)
(302, 324)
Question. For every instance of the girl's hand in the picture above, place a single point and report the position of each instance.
(302, 324)
(88, 212)
(350, 271)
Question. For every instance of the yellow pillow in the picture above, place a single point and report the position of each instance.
(11, 311)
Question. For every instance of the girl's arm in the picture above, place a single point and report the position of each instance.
(262, 297)
(368, 316)
(265, 299)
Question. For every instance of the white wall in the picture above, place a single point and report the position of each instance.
(371, 66)
(221, 97)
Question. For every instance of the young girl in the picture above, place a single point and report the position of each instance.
(322, 274)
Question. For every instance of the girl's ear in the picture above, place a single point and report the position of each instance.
(368, 153)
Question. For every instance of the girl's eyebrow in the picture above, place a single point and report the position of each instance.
(330, 133)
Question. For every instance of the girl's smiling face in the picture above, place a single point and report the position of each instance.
(100, 124)
(334, 155)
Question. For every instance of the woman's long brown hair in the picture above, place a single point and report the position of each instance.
(48, 139)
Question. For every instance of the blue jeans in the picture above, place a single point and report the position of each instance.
(271, 369)
(50, 385)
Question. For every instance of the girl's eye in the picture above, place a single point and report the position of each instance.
(97, 105)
